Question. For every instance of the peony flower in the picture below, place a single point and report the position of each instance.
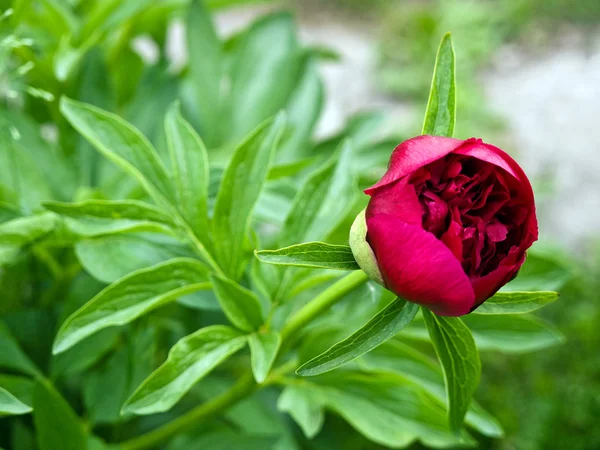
(447, 225)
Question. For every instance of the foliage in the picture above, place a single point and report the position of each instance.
(132, 197)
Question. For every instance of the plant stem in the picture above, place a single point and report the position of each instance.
(322, 302)
(246, 384)
(244, 387)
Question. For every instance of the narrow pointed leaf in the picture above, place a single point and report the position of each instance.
(440, 116)
(516, 302)
(9, 404)
(56, 424)
(263, 351)
(458, 355)
(131, 297)
(241, 186)
(189, 163)
(322, 202)
(189, 360)
(206, 68)
(240, 305)
(121, 143)
(102, 217)
(383, 326)
(317, 255)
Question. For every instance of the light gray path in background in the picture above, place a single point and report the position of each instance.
(551, 104)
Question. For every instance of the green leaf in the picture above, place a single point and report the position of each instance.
(383, 409)
(189, 360)
(121, 143)
(25, 230)
(516, 302)
(263, 351)
(317, 255)
(411, 364)
(440, 116)
(308, 414)
(240, 305)
(383, 326)
(513, 333)
(226, 440)
(101, 217)
(11, 355)
(322, 202)
(262, 82)
(111, 257)
(206, 68)
(57, 425)
(241, 186)
(459, 358)
(9, 404)
(303, 110)
(19, 386)
(85, 353)
(130, 298)
(189, 164)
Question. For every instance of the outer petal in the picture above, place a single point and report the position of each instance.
(418, 267)
(397, 199)
(413, 154)
(488, 285)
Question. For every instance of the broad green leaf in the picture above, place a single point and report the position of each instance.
(85, 353)
(383, 409)
(513, 333)
(57, 425)
(189, 164)
(241, 186)
(206, 69)
(290, 169)
(459, 358)
(410, 363)
(111, 257)
(323, 202)
(318, 255)
(189, 360)
(303, 109)
(516, 302)
(440, 116)
(543, 270)
(383, 326)
(100, 217)
(132, 297)
(225, 440)
(9, 404)
(109, 384)
(121, 143)
(29, 164)
(308, 414)
(263, 351)
(11, 355)
(19, 386)
(240, 305)
(25, 230)
(262, 82)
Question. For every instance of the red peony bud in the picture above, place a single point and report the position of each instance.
(448, 224)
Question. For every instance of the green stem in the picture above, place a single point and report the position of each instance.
(322, 302)
(246, 385)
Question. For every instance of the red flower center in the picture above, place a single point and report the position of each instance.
(474, 208)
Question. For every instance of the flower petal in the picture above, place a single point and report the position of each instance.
(418, 267)
(397, 199)
(414, 153)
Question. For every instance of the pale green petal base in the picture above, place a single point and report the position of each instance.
(362, 251)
